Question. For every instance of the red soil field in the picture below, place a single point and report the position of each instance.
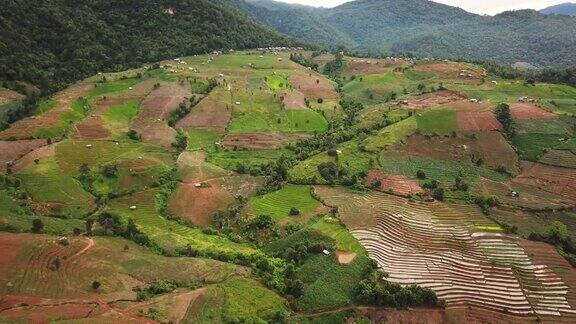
(562, 158)
(25, 128)
(475, 117)
(155, 109)
(212, 113)
(529, 111)
(389, 182)
(313, 86)
(255, 141)
(198, 205)
(438, 98)
(13, 150)
(293, 100)
(556, 180)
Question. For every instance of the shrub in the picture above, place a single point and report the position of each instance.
(37, 226)
(420, 174)
(294, 211)
(96, 285)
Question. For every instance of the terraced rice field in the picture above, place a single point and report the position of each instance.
(456, 252)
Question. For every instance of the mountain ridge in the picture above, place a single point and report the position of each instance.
(426, 28)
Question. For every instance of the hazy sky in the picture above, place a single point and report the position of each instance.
(477, 6)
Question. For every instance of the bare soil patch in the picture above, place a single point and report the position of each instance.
(453, 71)
(313, 86)
(25, 128)
(433, 99)
(155, 109)
(255, 141)
(212, 113)
(529, 111)
(199, 204)
(293, 100)
(345, 257)
(475, 117)
(7, 95)
(553, 179)
(13, 150)
(562, 158)
(395, 183)
(361, 66)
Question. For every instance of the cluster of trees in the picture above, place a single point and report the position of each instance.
(304, 61)
(379, 292)
(549, 75)
(158, 287)
(167, 183)
(504, 117)
(336, 66)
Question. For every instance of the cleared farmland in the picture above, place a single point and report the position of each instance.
(453, 250)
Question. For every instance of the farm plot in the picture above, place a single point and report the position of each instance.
(358, 66)
(54, 192)
(261, 141)
(212, 113)
(475, 117)
(391, 135)
(392, 183)
(446, 248)
(278, 204)
(63, 292)
(528, 196)
(438, 121)
(527, 111)
(313, 86)
(293, 100)
(561, 158)
(150, 122)
(434, 99)
(151, 223)
(55, 121)
(230, 160)
(13, 150)
(552, 179)
(452, 72)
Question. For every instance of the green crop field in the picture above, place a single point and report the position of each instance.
(278, 203)
(202, 139)
(247, 301)
(46, 183)
(119, 117)
(45, 106)
(392, 134)
(437, 122)
(532, 145)
(101, 89)
(177, 235)
(352, 159)
(16, 218)
(338, 232)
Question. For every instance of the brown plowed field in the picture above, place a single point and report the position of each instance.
(561, 158)
(490, 147)
(433, 99)
(293, 100)
(255, 141)
(452, 71)
(25, 128)
(13, 150)
(475, 117)
(553, 179)
(212, 113)
(313, 86)
(7, 95)
(529, 111)
(155, 109)
(395, 183)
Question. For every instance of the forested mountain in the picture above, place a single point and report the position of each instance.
(567, 8)
(427, 28)
(51, 43)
